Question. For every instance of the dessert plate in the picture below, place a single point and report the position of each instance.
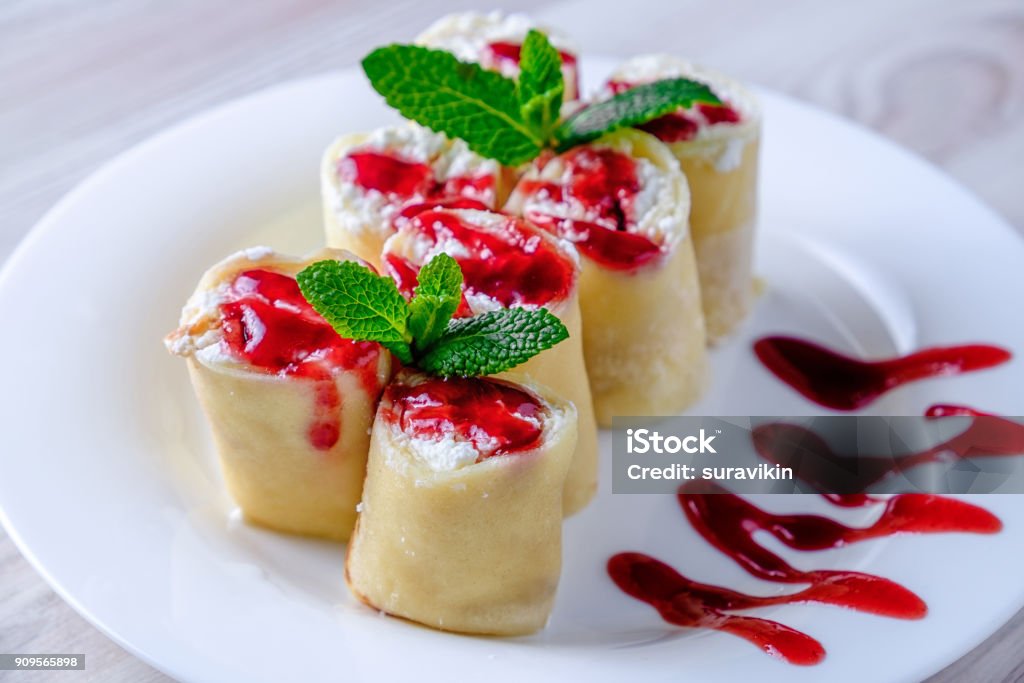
(109, 486)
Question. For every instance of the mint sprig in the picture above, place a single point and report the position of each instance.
(512, 121)
(436, 298)
(493, 342)
(459, 99)
(632, 108)
(540, 88)
(364, 306)
(358, 304)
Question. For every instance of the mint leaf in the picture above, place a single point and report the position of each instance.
(541, 87)
(461, 100)
(358, 304)
(631, 108)
(493, 342)
(437, 296)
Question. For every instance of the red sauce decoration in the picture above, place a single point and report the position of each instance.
(511, 53)
(729, 523)
(683, 124)
(844, 383)
(951, 410)
(392, 175)
(683, 602)
(497, 417)
(785, 444)
(604, 183)
(267, 323)
(512, 262)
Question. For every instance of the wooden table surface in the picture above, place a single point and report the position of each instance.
(84, 81)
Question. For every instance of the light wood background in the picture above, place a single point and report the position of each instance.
(82, 81)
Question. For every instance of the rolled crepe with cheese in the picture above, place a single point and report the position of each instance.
(460, 524)
(494, 40)
(367, 179)
(717, 147)
(507, 262)
(624, 202)
(289, 402)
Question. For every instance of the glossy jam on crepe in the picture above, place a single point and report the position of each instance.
(268, 324)
(496, 417)
(390, 174)
(605, 184)
(504, 258)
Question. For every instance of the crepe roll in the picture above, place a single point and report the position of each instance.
(494, 41)
(460, 525)
(368, 178)
(289, 402)
(507, 262)
(624, 203)
(717, 147)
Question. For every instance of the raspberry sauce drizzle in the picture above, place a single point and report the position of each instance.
(267, 323)
(952, 410)
(604, 183)
(506, 259)
(840, 382)
(683, 602)
(497, 417)
(729, 523)
(392, 175)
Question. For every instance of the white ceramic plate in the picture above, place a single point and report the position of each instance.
(108, 482)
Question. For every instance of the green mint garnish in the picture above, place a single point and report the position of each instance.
(513, 121)
(493, 342)
(632, 108)
(358, 304)
(540, 87)
(437, 296)
(461, 100)
(364, 306)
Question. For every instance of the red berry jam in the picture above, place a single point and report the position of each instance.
(683, 124)
(604, 183)
(497, 417)
(507, 260)
(267, 323)
(399, 178)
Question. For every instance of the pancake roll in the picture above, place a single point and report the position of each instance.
(366, 179)
(494, 40)
(289, 402)
(623, 202)
(460, 524)
(717, 148)
(507, 262)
